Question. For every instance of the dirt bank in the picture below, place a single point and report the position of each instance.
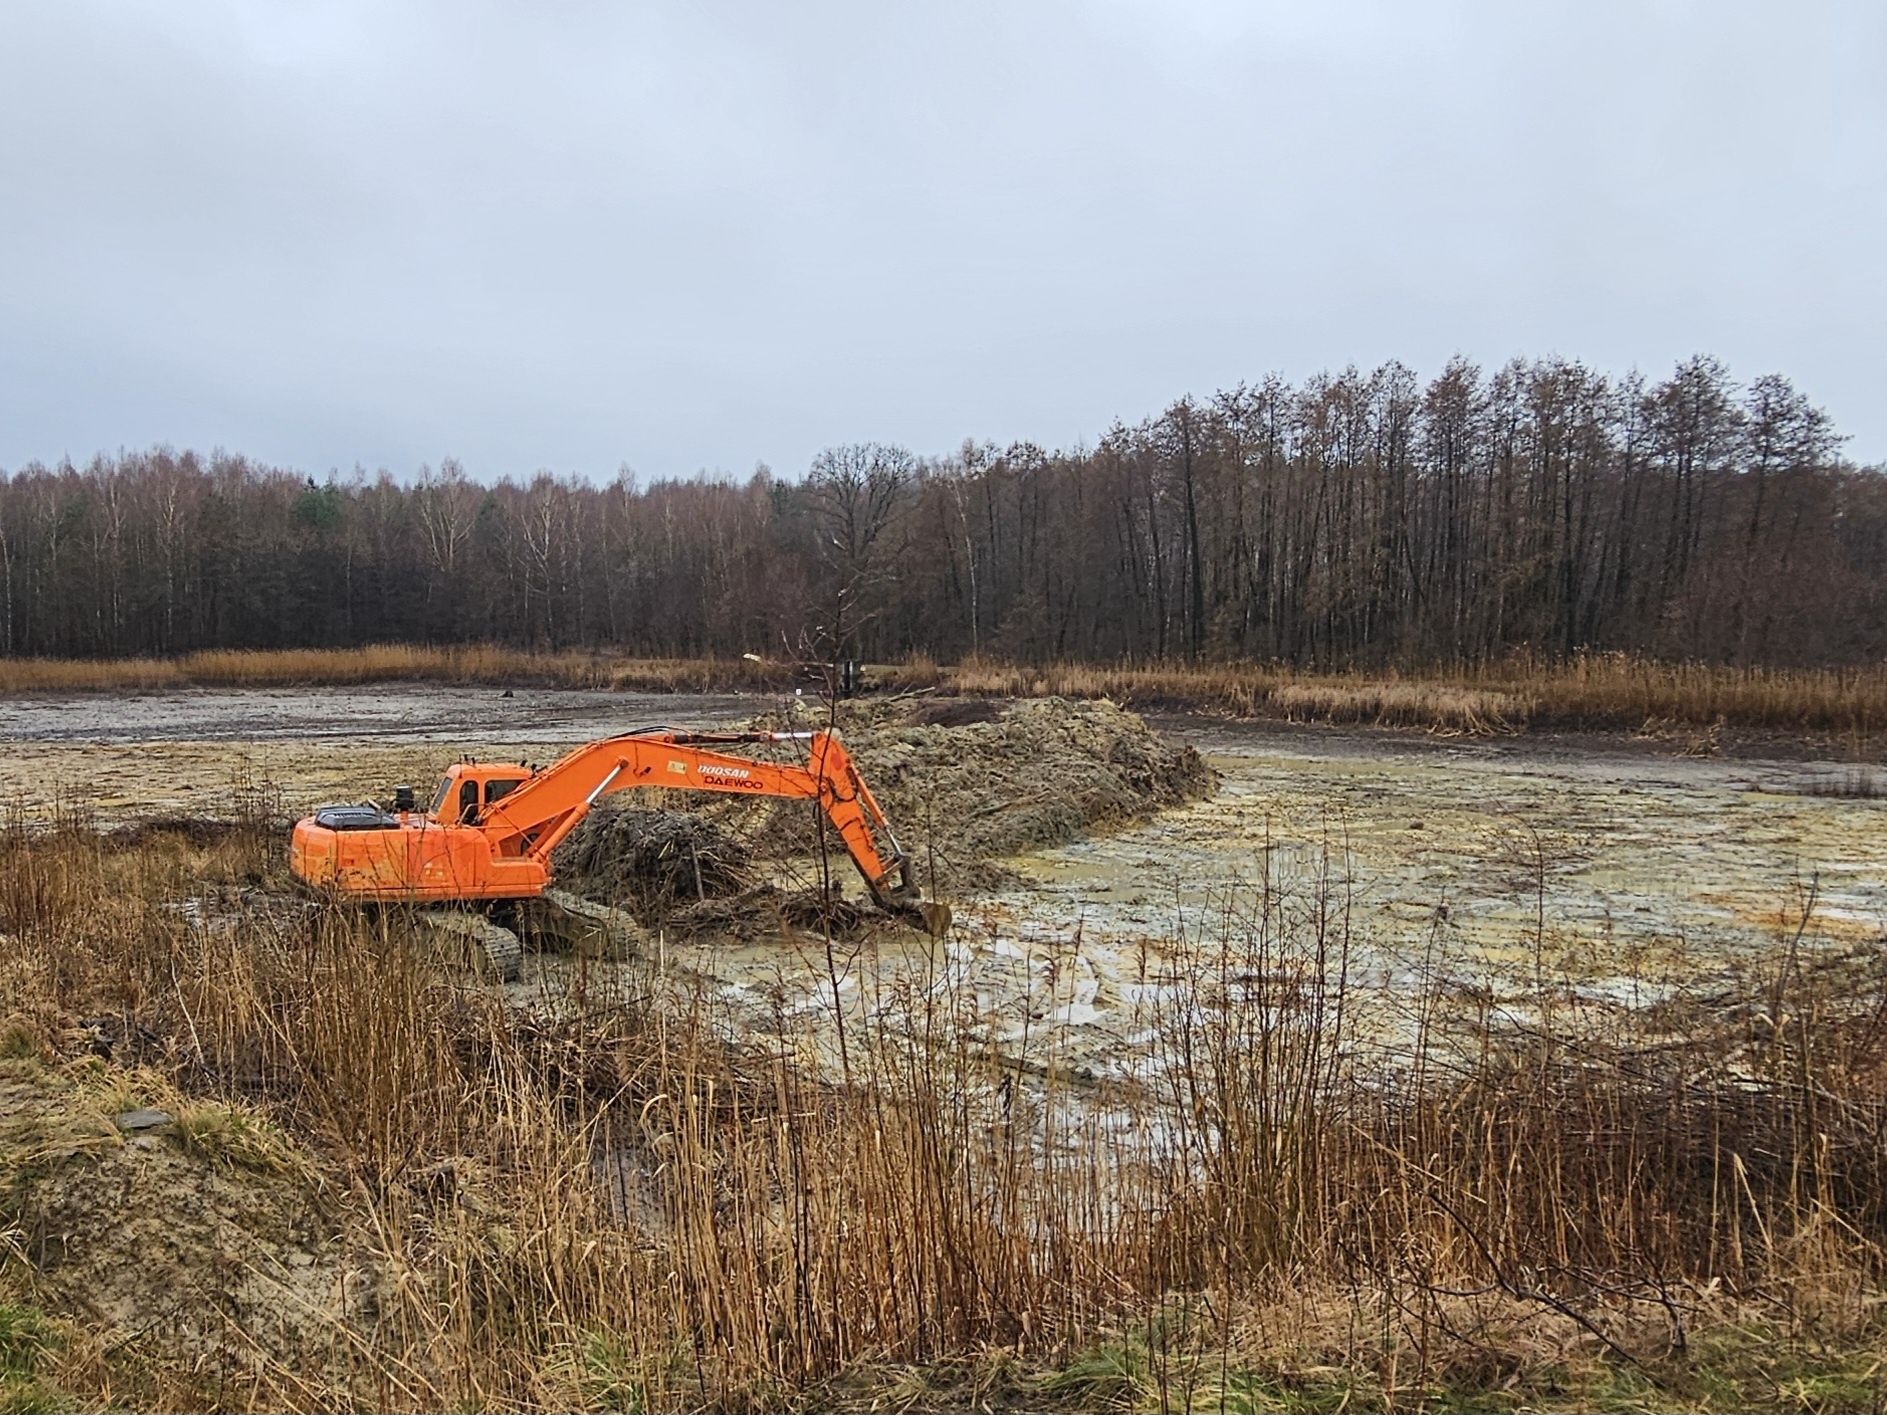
(190, 1233)
(1029, 774)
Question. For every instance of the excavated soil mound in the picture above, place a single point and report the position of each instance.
(1037, 773)
(765, 912)
(652, 860)
(967, 783)
(146, 1233)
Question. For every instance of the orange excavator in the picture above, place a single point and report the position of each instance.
(488, 834)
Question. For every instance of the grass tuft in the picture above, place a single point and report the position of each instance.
(29, 1345)
(233, 1137)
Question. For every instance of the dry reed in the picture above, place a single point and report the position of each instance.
(1597, 692)
(382, 663)
(1605, 692)
(610, 1205)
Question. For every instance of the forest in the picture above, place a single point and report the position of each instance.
(1358, 519)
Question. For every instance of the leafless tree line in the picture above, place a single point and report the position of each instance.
(1360, 518)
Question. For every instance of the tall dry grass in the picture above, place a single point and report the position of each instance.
(1602, 692)
(613, 1202)
(1605, 692)
(383, 663)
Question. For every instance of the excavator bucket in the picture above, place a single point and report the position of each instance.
(933, 918)
(903, 900)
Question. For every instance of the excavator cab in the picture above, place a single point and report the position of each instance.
(468, 787)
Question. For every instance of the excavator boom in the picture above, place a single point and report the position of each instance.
(492, 827)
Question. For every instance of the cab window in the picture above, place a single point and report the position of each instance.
(439, 799)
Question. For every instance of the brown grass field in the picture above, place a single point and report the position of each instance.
(1607, 693)
(387, 1187)
(377, 663)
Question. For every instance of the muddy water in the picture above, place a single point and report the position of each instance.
(148, 754)
(1496, 848)
(1611, 874)
(1608, 873)
(411, 712)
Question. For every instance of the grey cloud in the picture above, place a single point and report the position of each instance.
(700, 236)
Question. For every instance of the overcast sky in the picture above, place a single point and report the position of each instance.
(698, 236)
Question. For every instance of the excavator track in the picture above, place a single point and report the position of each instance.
(478, 939)
(594, 930)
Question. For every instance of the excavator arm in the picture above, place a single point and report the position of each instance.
(533, 819)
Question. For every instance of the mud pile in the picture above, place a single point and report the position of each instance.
(175, 1237)
(691, 876)
(967, 782)
(1037, 773)
(653, 860)
(766, 911)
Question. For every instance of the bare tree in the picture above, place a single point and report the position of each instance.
(858, 491)
(1356, 518)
